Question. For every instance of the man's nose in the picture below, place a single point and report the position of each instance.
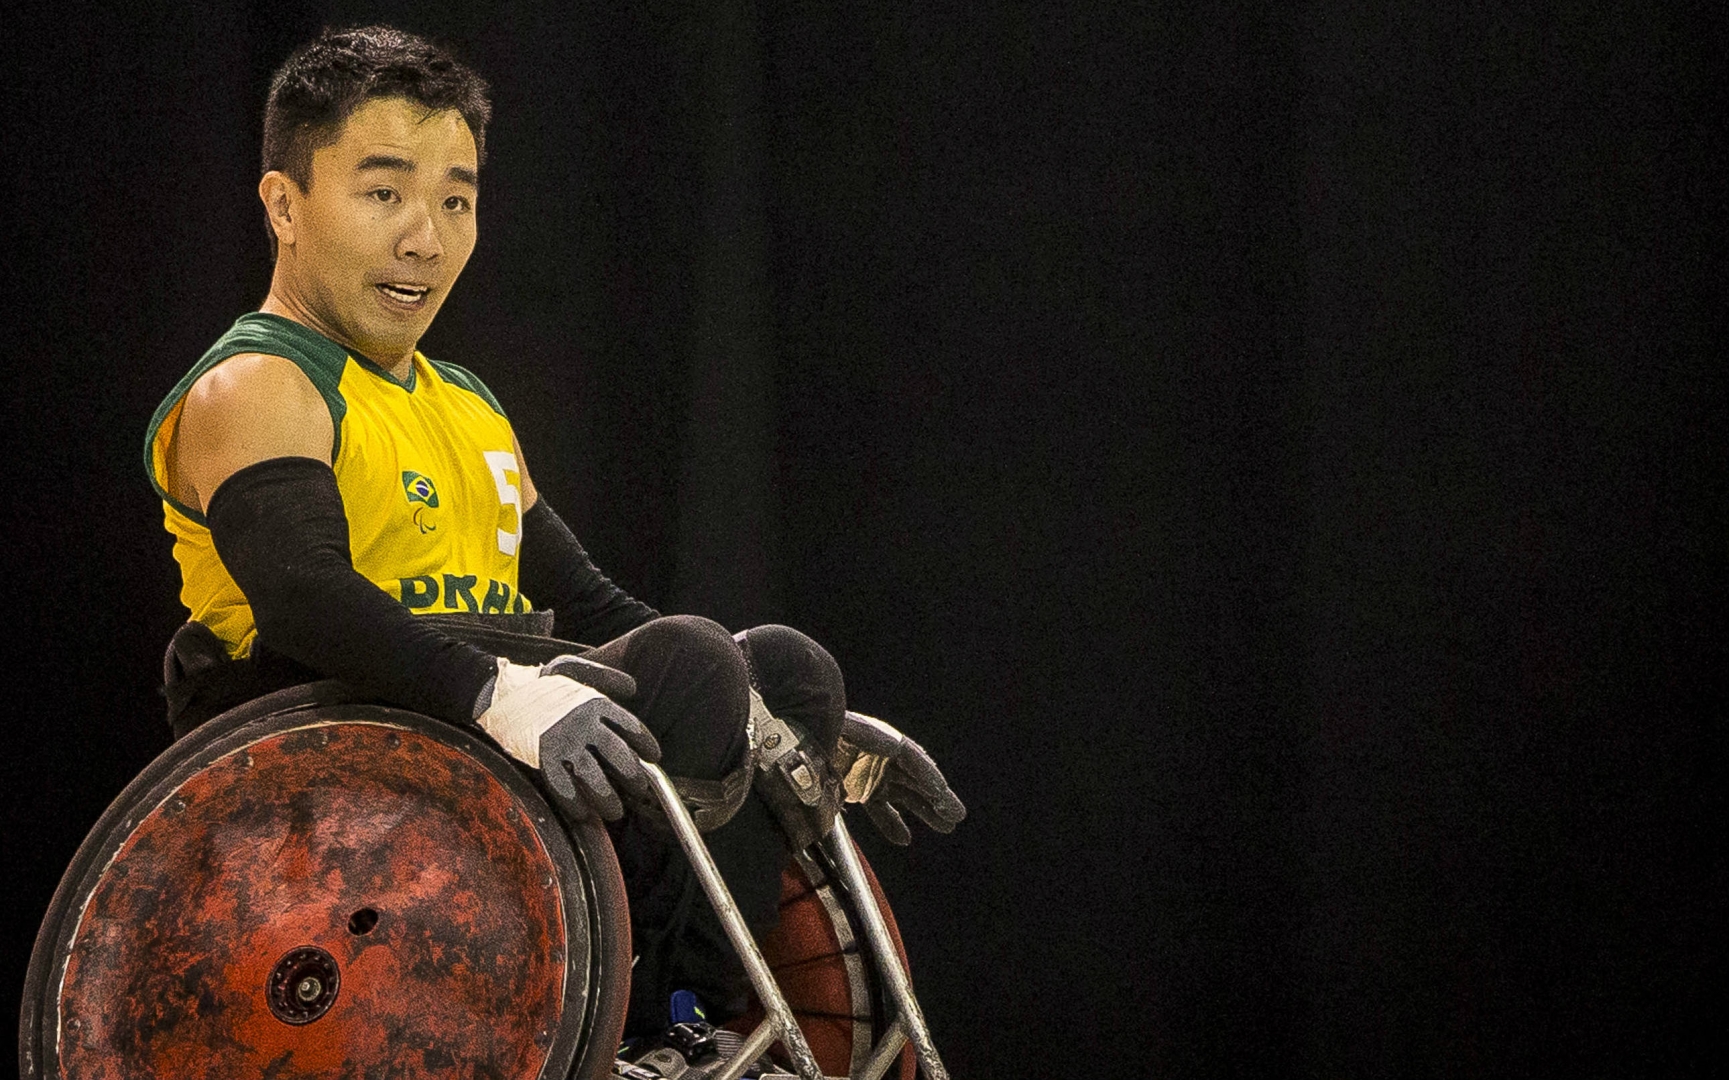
(420, 240)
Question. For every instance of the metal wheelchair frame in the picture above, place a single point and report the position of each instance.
(778, 1023)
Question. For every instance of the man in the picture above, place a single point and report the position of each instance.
(326, 483)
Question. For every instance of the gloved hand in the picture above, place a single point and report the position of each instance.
(888, 772)
(568, 729)
(610, 681)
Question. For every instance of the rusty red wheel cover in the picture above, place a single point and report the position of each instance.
(401, 858)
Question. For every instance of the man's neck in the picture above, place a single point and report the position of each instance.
(281, 302)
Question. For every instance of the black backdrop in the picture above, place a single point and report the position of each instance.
(1273, 458)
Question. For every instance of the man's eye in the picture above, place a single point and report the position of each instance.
(384, 195)
(456, 202)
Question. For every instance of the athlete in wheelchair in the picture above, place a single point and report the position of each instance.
(444, 799)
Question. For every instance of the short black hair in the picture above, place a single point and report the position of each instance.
(321, 84)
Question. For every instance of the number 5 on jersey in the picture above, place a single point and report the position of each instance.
(505, 475)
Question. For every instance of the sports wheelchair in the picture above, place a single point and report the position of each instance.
(311, 885)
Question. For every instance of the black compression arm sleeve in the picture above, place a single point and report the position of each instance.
(280, 529)
(555, 572)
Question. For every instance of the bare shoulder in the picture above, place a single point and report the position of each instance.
(529, 495)
(252, 379)
(249, 408)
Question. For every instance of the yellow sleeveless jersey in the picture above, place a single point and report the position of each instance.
(427, 471)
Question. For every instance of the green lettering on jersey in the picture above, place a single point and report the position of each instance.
(497, 598)
(419, 592)
(460, 588)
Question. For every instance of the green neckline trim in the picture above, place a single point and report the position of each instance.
(366, 364)
(321, 343)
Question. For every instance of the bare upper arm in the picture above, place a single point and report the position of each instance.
(529, 495)
(247, 409)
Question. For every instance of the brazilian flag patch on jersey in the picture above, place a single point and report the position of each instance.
(419, 489)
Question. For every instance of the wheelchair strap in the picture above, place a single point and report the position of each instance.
(713, 803)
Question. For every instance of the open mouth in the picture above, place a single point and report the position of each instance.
(407, 295)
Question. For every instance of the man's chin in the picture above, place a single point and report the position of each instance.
(385, 337)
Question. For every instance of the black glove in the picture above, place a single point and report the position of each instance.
(888, 772)
(556, 718)
(615, 684)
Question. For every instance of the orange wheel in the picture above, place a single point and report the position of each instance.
(310, 889)
(821, 960)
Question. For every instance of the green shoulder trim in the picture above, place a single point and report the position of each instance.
(468, 380)
(320, 358)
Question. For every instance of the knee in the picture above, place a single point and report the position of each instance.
(780, 654)
(698, 646)
(797, 677)
(693, 692)
(687, 631)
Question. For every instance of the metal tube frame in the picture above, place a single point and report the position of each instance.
(777, 1019)
(909, 1021)
(778, 1023)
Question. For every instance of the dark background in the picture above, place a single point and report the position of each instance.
(1273, 458)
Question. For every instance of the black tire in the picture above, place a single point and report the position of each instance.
(596, 988)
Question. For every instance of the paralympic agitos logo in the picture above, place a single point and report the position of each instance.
(420, 489)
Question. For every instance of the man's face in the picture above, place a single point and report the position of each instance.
(387, 224)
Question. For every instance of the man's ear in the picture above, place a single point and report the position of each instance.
(279, 193)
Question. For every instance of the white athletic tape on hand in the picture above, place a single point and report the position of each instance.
(525, 703)
(865, 776)
(869, 767)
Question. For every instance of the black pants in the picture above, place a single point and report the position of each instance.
(693, 684)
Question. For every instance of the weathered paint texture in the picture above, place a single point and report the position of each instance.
(279, 846)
